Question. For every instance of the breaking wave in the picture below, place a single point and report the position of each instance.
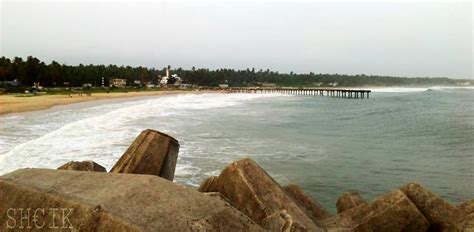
(416, 89)
(100, 133)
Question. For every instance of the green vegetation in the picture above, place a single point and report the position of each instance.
(32, 70)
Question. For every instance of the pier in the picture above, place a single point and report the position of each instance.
(329, 92)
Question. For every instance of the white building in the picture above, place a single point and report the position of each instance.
(117, 82)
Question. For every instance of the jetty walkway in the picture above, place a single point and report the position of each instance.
(329, 92)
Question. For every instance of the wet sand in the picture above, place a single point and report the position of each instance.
(14, 104)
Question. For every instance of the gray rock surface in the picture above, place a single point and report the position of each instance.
(441, 215)
(348, 201)
(312, 208)
(117, 202)
(390, 212)
(251, 190)
(87, 165)
(152, 153)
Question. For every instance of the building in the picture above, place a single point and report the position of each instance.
(137, 83)
(223, 85)
(333, 84)
(87, 85)
(150, 84)
(164, 80)
(267, 85)
(14, 83)
(177, 80)
(185, 86)
(117, 82)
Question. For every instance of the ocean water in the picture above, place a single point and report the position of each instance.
(325, 145)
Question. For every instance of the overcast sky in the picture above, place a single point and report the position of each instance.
(400, 39)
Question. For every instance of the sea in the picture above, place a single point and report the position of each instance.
(326, 145)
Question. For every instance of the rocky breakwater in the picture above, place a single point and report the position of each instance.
(138, 195)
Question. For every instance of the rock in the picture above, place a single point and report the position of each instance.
(467, 207)
(391, 212)
(348, 201)
(113, 202)
(312, 208)
(277, 221)
(466, 223)
(87, 165)
(441, 215)
(251, 190)
(282, 221)
(219, 196)
(152, 153)
(207, 184)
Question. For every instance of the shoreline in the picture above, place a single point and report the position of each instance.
(10, 104)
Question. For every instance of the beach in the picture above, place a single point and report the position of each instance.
(16, 104)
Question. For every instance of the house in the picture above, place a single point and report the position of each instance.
(267, 85)
(223, 85)
(14, 83)
(87, 85)
(185, 86)
(164, 81)
(150, 84)
(137, 83)
(37, 86)
(178, 81)
(117, 82)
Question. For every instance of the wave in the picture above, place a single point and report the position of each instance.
(397, 90)
(440, 88)
(102, 133)
(417, 89)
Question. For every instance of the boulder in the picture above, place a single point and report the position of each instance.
(441, 215)
(348, 201)
(87, 165)
(251, 190)
(152, 153)
(111, 202)
(390, 212)
(312, 208)
(207, 184)
(466, 223)
(467, 207)
(282, 221)
(219, 196)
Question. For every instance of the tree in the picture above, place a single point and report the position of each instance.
(33, 70)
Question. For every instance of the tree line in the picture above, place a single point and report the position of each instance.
(32, 70)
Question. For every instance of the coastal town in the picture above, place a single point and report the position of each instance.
(167, 81)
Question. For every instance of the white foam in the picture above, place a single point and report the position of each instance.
(397, 89)
(416, 89)
(440, 88)
(102, 133)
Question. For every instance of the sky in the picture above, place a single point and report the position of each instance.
(420, 39)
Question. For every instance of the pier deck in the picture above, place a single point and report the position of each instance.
(329, 92)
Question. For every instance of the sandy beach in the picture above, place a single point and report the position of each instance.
(14, 104)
